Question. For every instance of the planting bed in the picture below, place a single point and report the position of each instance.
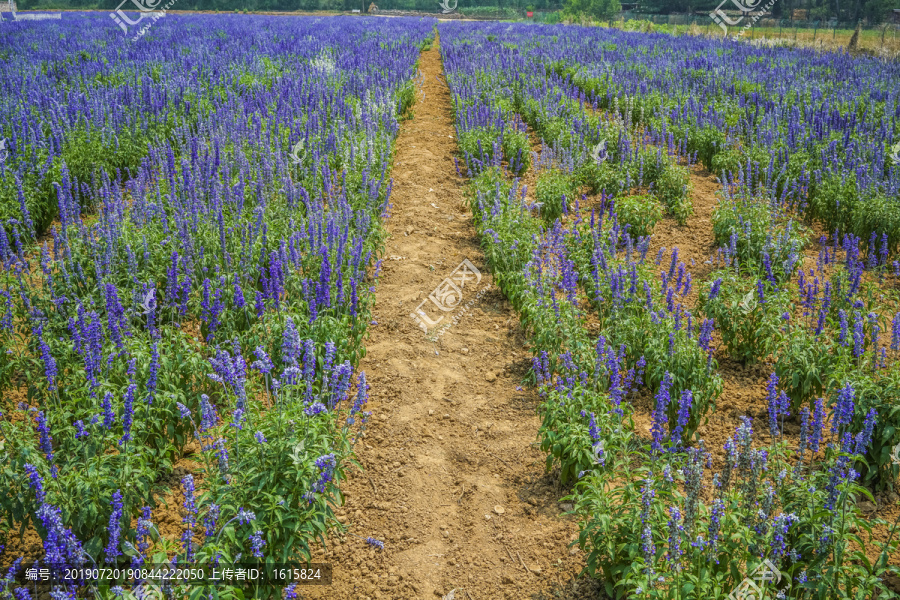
(661, 359)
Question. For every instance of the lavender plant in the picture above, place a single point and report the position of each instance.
(751, 318)
(766, 503)
(793, 507)
(216, 300)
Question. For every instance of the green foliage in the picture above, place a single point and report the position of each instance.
(407, 99)
(639, 213)
(565, 434)
(85, 155)
(601, 10)
(602, 177)
(481, 143)
(759, 236)
(642, 528)
(877, 390)
(508, 248)
(708, 143)
(806, 365)
(690, 368)
(834, 200)
(877, 215)
(488, 186)
(673, 188)
(550, 18)
(728, 160)
(751, 327)
(554, 191)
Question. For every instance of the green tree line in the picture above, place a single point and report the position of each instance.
(293, 5)
(875, 11)
(819, 10)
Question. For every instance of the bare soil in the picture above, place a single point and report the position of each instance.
(453, 483)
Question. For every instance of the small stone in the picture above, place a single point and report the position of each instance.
(566, 507)
(487, 517)
(507, 580)
(464, 350)
(396, 464)
(893, 497)
(430, 411)
(490, 377)
(866, 506)
(499, 509)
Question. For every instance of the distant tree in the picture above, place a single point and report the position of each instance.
(877, 11)
(601, 10)
(664, 7)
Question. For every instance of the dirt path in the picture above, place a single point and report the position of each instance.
(453, 484)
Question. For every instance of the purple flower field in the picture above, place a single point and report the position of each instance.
(190, 227)
(801, 142)
(192, 224)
